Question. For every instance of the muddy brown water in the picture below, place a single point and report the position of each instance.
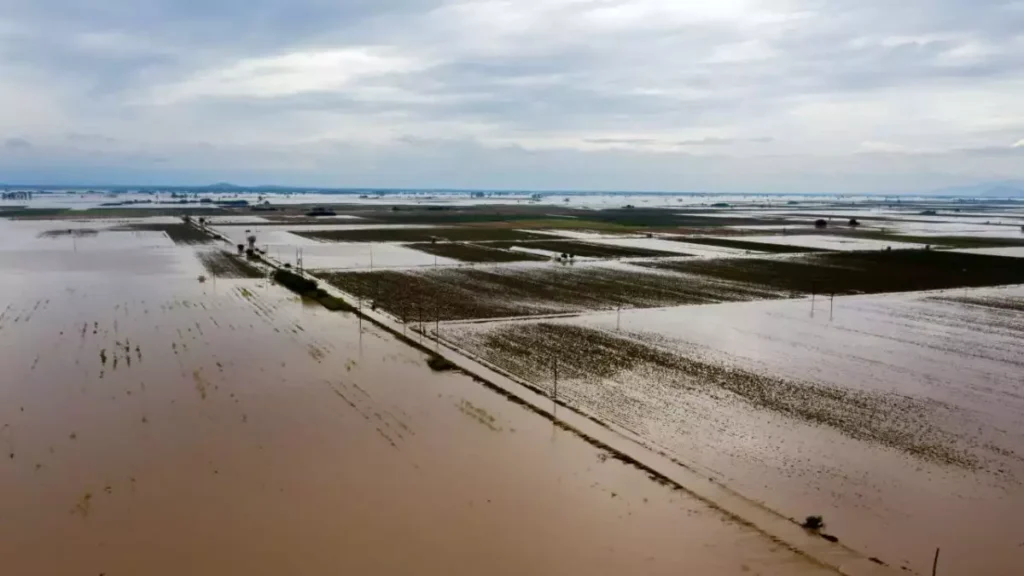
(153, 424)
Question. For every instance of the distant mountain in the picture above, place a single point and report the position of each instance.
(1008, 189)
(1004, 192)
(220, 186)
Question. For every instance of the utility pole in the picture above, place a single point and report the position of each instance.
(618, 318)
(554, 396)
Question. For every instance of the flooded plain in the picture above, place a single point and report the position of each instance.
(154, 423)
(898, 418)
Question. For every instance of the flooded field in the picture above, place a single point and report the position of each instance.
(155, 424)
(898, 418)
(832, 242)
(475, 252)
(588, 249)
(158, 377)
(463, 294)
(747, 244)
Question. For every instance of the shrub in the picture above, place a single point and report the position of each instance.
(821, 223)
(294, 282)
(439, 363)
(814, 523)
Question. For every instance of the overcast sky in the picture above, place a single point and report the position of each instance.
(711, 95)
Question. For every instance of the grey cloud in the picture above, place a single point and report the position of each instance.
(17, 144)
(555, 79)
(642, 141)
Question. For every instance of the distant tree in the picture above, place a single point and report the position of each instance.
(854, 222)
(252, 241)
(821, 223)
(241, 249)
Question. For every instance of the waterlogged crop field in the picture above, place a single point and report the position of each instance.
(153, 423)
(470, 293)
(899, 418)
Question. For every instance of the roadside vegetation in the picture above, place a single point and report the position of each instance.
(309, 289)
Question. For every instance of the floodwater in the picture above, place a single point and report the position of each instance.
(832, 242)
(284, 246)
(954, 363)
(155, 424)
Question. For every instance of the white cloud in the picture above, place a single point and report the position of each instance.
(290, 74)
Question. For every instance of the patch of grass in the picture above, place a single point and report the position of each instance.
(193, 210)
(70, 232)
(179, 233)
(587, 250)
(473, 252)
(584, 224)
(859, 272)
(466, 234)
(224, 265)
(669, 218)
(744, 245)
(21, 213)
(946, 241)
